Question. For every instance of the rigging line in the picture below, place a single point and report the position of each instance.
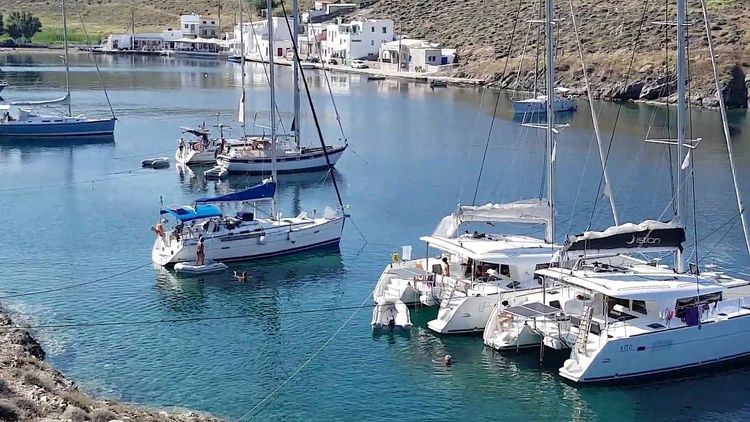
(328, 85)
(96, 62)
(520, 62)
(497, 102)
(619, 107)
(358, 230)
(718, 242)
(312, 109)
(725, 126)
(304, 364)
(121, 174)
(72, 286)
(692, 156)
(263, 65)
(186, 319)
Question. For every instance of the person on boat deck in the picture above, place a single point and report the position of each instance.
(181, 145)
(446, 267)
(159, 228)
(469, 264)
(200, 254)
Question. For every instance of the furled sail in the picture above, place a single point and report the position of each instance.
(649, 235)
(61, 101)
(533, 211)
(261, 192)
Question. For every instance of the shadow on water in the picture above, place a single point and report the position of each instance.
(36, 143)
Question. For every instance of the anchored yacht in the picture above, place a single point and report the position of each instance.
(242, 236)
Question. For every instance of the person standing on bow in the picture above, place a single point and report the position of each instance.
(200, 253)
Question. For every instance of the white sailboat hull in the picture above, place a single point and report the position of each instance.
(294, 162)
(264, 239)
(190, 156)
(539, 105)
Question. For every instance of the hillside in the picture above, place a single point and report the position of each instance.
(482, 29)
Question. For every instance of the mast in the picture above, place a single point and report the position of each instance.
(65, 57)
(271, 84)
(242, 69)
(132, 28)
(681, 122)
(549, 233)
(295, 37)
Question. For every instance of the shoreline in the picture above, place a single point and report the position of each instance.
(31, 389)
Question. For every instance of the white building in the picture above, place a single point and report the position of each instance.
(358, 39)
(255, 38)
(414, 55)
(193, 26)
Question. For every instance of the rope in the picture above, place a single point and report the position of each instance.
(312, 109)
(188, 319)
(328, 85)
(72, 286)
(304, 364)
(619, 107)
(96, 63)
(497, 102)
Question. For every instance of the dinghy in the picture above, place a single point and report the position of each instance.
(156, 163)
(210, 267)
(391, 316)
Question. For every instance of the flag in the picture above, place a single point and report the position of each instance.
(686, 162)
(241, 117)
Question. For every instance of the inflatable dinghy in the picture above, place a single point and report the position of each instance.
(216, 172)
(156, 163)
(209, 267)
(391, 316)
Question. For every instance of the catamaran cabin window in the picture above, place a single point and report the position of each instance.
(505, 270)
(639, 306)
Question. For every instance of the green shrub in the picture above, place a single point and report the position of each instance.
(40, 380)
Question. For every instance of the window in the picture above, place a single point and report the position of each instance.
(186, 26)
(372, 29)
(505, 270)
(372, 42)
(639, 306)
(385, 30)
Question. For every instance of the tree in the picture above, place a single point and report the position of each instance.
(2, 28)
(260, 5)
(22, 25)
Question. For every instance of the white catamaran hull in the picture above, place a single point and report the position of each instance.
(661, 352)
(539, 105)
(314, 160)
(248, 243)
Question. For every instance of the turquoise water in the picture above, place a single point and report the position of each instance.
(76, 213)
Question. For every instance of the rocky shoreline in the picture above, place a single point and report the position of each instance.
(31, 390)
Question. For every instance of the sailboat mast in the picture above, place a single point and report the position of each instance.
(65, 57)
(272, 83)
(681, 121)
(242, 69)
(295, 36)
(549, 234)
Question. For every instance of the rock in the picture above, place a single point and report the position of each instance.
(562, 67)
(710, 102)
(74, 413)
(735, 89)
(28, 343)
(649, 68)
(630, 92)
(663, 86)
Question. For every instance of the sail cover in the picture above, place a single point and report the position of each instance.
(650, 234)
(533, 211)
(62, 101)
(190, 213)
(263, 191)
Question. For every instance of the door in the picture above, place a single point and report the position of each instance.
(279, 52)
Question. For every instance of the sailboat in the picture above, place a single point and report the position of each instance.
(632, 319)
(17, 119)
(243, 236)
(253, 155)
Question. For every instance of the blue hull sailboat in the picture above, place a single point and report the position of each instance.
(18, 119)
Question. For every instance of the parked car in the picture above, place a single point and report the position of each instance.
(312, 59)
(333, 61)
(359, 64)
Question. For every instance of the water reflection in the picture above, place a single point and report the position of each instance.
(33, 144)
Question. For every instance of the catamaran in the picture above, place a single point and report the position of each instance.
(624, 318)
(244, 236)
(18, 119)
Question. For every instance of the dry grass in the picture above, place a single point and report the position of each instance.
(78, 399)
(102, 415)
(9, 412)
(40, 380)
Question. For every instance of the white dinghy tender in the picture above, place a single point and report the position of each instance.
(391, 315)
(210, 267)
